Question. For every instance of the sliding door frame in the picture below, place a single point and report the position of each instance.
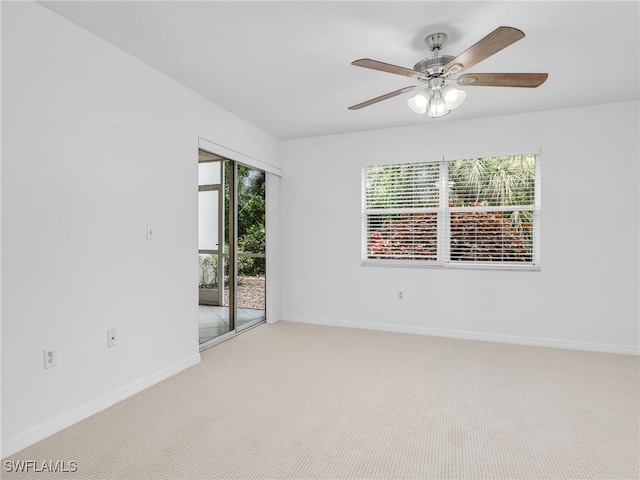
(272, 174)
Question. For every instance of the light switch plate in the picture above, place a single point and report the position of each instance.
(112, 337)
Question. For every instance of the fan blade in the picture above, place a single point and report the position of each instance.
(500, 38)
(387, 67)
(382, 97)
(527, 80)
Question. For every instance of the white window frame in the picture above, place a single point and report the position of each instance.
(444, 214)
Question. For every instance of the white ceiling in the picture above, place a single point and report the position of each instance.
(285, 66)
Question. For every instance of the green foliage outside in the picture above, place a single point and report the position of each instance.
(250, 188)
(385, 183)
(494, 181)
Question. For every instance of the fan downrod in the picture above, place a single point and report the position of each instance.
(434, 66)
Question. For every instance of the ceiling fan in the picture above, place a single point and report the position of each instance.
(439, 96)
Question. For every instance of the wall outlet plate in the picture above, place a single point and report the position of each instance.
(50, 357)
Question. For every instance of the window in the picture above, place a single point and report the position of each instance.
(479, 212)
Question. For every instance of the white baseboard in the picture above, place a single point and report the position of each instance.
(61, 422)
(466, 335)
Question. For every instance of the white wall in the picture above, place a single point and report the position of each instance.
(95, 145)
(585, 296)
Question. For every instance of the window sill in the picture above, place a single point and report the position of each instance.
(449, 266)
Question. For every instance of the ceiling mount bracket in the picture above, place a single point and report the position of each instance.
(435, 41)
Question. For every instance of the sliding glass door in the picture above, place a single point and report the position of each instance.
(231, 250)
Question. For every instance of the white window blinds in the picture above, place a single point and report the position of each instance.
(401, 210)
(481, 212)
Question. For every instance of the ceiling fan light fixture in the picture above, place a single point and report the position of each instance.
(453, 97)
(419, 102)
(437, 106)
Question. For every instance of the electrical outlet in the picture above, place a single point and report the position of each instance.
(400, 295)
(112, 337)
(50, 357)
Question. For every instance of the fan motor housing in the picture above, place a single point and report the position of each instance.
(433, 65)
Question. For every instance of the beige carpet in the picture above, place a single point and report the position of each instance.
(294, 401)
